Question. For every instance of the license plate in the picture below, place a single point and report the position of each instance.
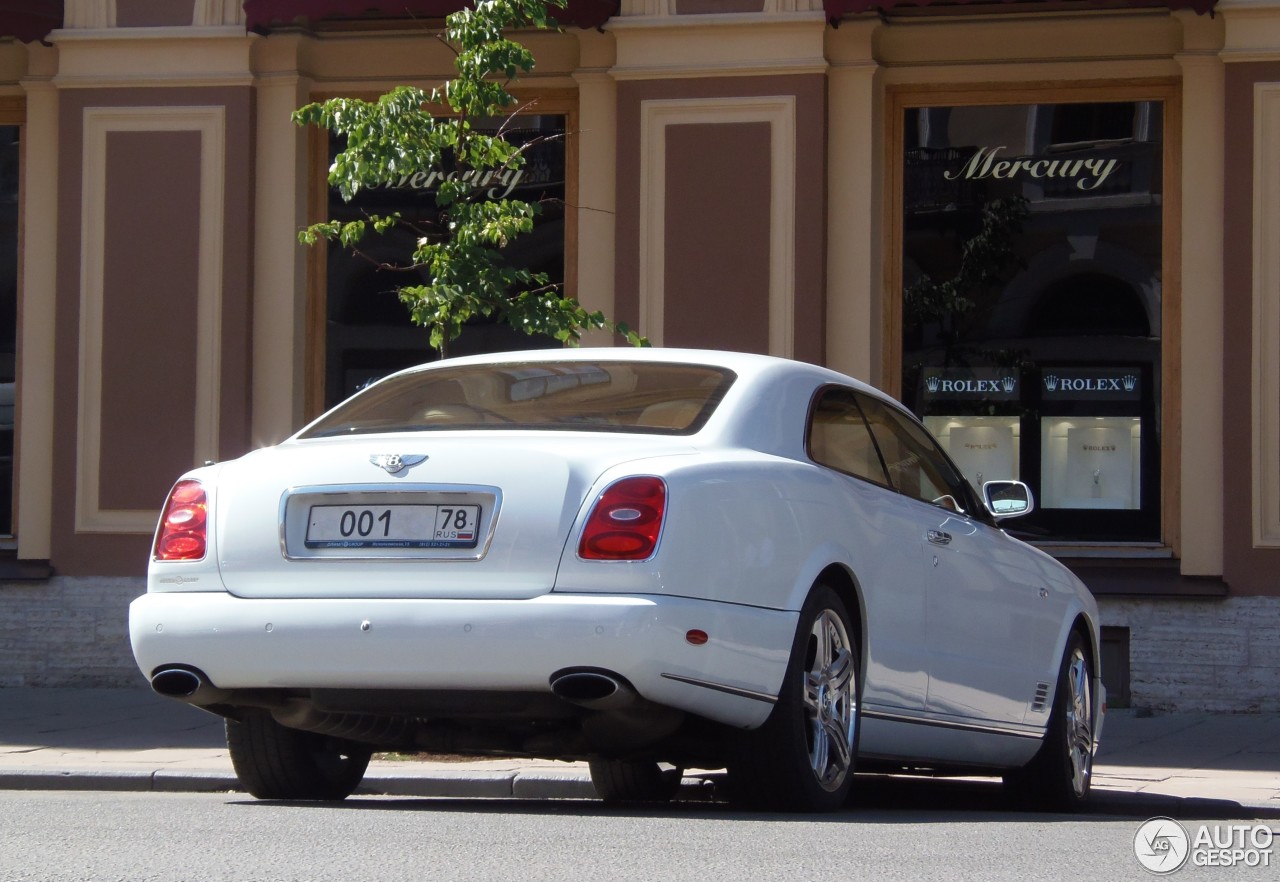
(393, 526)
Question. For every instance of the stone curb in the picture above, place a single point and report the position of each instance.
(481, 784)
(117, 780)
(447, 784)
(460, 784)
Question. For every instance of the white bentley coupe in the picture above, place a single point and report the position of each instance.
(649, 559)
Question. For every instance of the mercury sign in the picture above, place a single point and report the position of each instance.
(1088, 174)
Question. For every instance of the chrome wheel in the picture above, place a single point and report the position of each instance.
(1079, 722)
(1058, 776)
(830, 701)
(804, 756)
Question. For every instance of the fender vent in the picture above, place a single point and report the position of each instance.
(1041, 700)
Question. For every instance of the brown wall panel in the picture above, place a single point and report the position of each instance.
(810, 221)
(717, 237)
(150, 279)
(1247, 570)
(153, 13)
(699, 7)
(104, 554)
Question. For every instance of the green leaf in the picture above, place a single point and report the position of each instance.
(392, 139)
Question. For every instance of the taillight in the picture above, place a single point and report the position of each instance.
(626, 521)
(183, 533)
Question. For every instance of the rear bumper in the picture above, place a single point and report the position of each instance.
(474, 645)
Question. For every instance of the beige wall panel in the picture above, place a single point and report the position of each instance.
(37, 322)
(717, 236)
(1018, 41)
(1029, 50)
(854, 259)
(1201, 348)
(156, 57)
(281, 179)
(685, 46)
(13, 64)
(362, 62)
(597, 161)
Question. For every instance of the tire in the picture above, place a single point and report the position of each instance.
(1059, 776)
(630, 781)
(803, 757)
(275, 762)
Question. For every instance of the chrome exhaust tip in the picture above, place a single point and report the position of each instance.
(186, 684)
(593, 689)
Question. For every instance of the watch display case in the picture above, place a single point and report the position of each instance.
(1091, 462)
(1084, 438)
(984, 448)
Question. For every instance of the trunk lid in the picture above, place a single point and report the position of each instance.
(461, 515)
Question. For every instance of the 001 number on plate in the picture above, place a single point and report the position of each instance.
(393, 526)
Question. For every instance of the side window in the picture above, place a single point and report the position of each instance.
(915, 465)
(839, 438)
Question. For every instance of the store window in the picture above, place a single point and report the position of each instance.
(1032, 304)
(367, 332)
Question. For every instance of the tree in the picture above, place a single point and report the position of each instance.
(984, 258)
(408, 131)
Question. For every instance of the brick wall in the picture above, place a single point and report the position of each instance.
(67, 631)
(1203, 655)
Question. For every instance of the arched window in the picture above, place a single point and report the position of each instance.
(1089, 304)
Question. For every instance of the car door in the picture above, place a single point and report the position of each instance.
(880, 532)
(989, 618)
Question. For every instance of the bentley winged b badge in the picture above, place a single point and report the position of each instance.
(395, 462)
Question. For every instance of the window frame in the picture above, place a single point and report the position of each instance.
(1168, 91)
(13, 112)
(533, 102)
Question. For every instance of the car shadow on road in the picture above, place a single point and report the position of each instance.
(884, 792)
(882, 799)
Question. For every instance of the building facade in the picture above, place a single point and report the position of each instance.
(1051, 228)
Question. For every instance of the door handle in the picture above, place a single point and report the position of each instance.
(938, 537)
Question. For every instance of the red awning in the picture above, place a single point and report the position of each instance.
(29, 20)
(835, 9)
(262, 15)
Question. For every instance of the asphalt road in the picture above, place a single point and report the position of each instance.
(61, 836)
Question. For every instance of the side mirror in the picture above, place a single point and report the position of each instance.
(1007, 499)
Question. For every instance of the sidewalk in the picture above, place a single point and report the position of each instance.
(132, 739)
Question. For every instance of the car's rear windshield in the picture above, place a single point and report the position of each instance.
(597, 396)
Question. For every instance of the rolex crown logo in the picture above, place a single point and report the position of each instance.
(1051, 382)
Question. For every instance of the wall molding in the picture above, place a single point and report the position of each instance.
(99, 122)
(780, 113)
